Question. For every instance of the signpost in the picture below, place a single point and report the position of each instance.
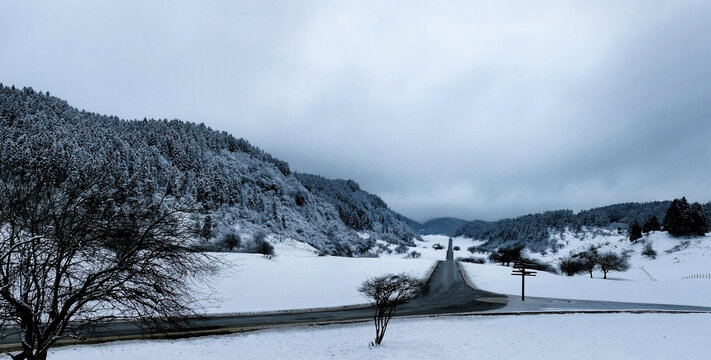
(520, 270)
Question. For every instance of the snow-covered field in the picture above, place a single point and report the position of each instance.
(427, 252)
(575, 336)
(298, 279)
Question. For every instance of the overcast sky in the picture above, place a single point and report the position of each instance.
(468, 109)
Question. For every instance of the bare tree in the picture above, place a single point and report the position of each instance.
(588, 260)
(389, 291)
(79, 247)
(609, 261)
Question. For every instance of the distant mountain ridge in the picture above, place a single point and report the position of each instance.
(441, 226)
(235, 185)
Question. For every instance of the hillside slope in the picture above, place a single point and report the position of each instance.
(534, 230)
(361, 210)
(238, 186)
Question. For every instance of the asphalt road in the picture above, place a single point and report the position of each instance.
(445, 292)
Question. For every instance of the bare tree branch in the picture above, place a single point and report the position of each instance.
(80, 249)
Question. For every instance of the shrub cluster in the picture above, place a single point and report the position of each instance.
(472, 259)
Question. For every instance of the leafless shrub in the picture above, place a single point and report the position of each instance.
(389, 291)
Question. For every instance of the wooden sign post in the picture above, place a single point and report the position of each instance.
(520, 270)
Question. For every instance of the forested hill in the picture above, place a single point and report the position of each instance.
(534, 230)
(361, 210)
(231, 183)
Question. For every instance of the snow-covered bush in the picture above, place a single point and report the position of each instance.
(570, 266)
(401, 249)
(649, 251)
(413, 255)
(472, 259)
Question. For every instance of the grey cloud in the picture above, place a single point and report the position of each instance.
(475, 110)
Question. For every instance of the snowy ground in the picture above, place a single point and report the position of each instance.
(298, 279)
(648, 281)
(577, 336)
(427, 252)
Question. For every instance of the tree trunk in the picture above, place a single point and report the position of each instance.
(40, 356)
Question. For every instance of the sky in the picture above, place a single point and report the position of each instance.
(472, 109)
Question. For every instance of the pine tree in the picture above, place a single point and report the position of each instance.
(635, 232)
(674, 222)
(651, 225)
(206, 232)
(697, 219)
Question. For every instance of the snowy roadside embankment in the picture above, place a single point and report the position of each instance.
(575, 336)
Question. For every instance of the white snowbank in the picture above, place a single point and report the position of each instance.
(577, 336)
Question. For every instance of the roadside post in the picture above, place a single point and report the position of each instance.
(520, 270)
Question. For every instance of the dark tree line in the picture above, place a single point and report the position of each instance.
(534, 230)
(512, 254)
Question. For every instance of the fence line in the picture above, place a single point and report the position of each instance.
(697, 276)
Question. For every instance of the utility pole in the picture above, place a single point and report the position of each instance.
(520, 270)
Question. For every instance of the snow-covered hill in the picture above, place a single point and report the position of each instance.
(229, 184)
(676, 257)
